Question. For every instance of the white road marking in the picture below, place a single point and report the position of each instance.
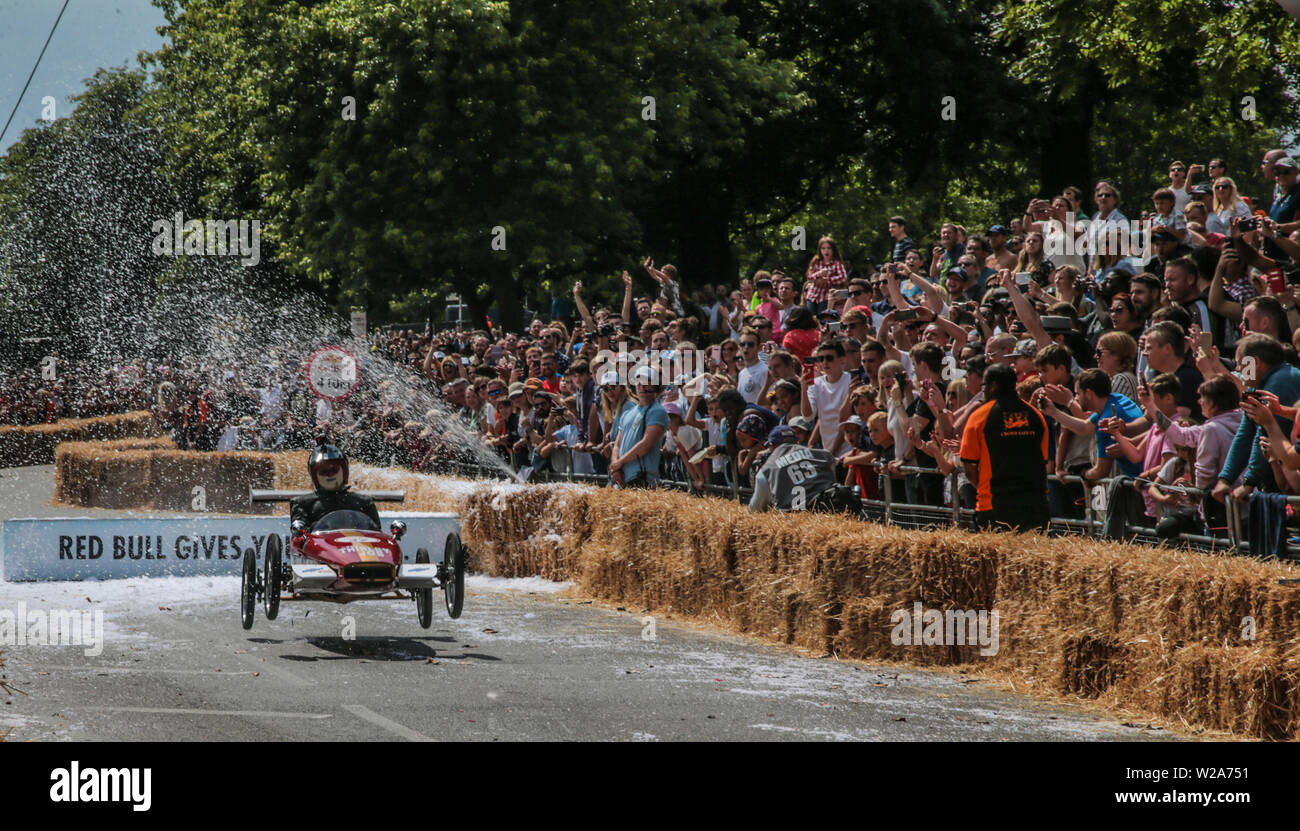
(386, 723)
(191, 711)
(119, 669)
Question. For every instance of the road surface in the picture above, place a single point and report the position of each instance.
(528, 660)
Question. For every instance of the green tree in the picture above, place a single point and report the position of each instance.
(470, 116)
(1132, 74)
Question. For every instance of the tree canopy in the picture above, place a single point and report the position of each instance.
(398, 152)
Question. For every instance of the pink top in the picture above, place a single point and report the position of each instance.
(1157, 447)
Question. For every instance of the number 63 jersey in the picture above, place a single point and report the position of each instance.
(796, 474)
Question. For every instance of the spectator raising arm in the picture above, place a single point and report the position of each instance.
(957, 333)
(1024, 309)
(627, 298)
(1078, 426)
(582, 308)
(933, 300)
(671, 291)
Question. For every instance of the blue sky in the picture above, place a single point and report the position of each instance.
(92, 34)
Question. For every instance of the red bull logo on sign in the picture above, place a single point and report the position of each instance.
(332, 373)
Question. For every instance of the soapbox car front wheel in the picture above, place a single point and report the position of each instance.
(423, 597)
(248, 590)
(453, 583)
(272, 571)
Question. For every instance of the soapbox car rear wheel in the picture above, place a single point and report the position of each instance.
(248, 590)
(271, 574)
(453, 587)
(423, 597)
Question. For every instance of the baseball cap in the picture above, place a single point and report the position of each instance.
(1056, 323)
(438, 356)
(1201, 190)
(829, 314)
(1163, 233)
(533, 384)
(673, 408)
(752, 425)
(854, 420)
(645, 375)
(998, 229)
(781, 434)
(801, 423)
(609, 379)
(517, 388)
(1287, 162)
(1026, 348)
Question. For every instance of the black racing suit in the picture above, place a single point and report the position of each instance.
(312, 507)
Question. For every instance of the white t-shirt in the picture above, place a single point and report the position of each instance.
(751, 381)
(568, 434)
(1062, 246)
(1181, 198)
(825, 399)
(1220, 222)
(688, 440)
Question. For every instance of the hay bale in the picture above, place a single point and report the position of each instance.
(1250, 691)
(224, 477)
(110, 474)
(36, 444)
(1126, 625)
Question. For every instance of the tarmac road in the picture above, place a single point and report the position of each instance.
(524, 662)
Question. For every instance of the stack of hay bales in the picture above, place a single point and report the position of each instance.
(1213, 641)
(224, 477)
(36, 444)
(109, 474)
(152, 473)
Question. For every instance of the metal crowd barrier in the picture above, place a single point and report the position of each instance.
(889, 510)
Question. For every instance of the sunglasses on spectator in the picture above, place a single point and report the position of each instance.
(494, 393)
(748, 344)
(825, 358)
(1105, 196)
(1223, 187)
(856, 292)
(1177, 170)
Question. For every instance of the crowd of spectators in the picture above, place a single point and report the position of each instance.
(1166, 371)
(1159, 357)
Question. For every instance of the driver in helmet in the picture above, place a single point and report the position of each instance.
(329, 473)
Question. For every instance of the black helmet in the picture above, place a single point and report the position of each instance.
(323, 454)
